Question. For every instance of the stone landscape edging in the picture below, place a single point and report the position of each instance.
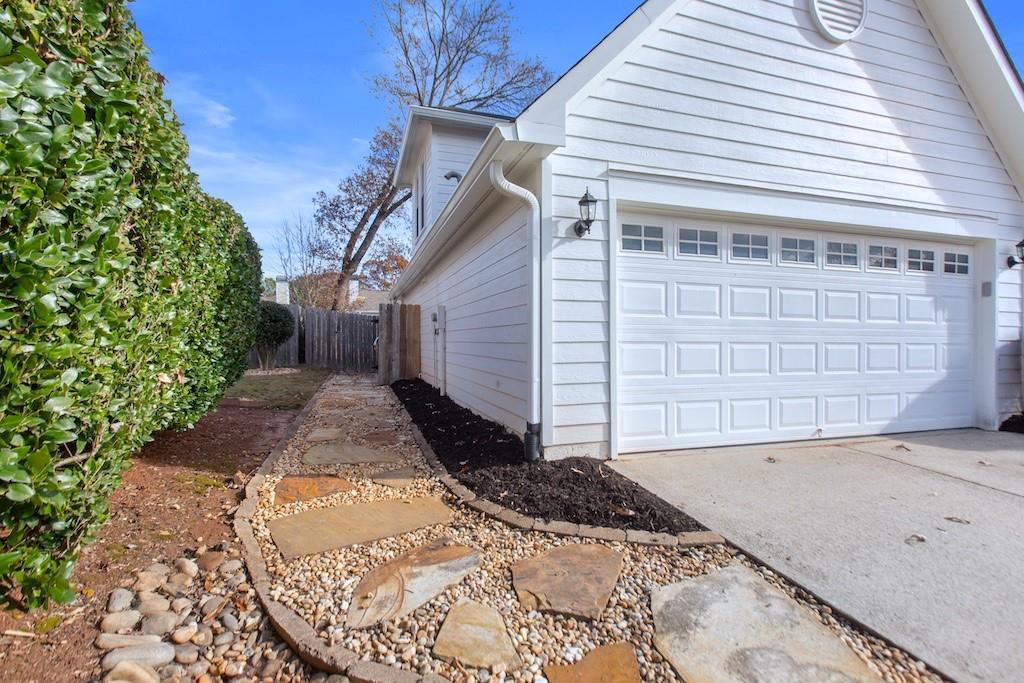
(303, 639)
(686, 539)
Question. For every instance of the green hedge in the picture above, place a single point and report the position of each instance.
(128, 297)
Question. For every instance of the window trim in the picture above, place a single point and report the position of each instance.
(967, 264)
(936, 260)
(843, 239)
(898, 270)
(746, 259)
(813, 238)
(705, 227)
(644, 223)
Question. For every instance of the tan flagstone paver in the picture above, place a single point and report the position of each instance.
(732, 625)
(474, 635)
(326, 434)
(615, 663)
(575, 579)
(315, 531)
(398, 587)
(296, 488)
(397, 479)
(346, 453)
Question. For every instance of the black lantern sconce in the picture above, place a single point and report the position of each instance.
(1011, 261)
(588, 209)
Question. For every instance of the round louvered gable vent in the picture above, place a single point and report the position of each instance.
(839, 20)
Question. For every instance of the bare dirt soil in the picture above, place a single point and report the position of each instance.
(489, 460)
(177, 496)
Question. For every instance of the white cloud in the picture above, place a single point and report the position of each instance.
(266, 191)
(193, 105)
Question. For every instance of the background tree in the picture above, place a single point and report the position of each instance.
(302, 255)
(389, 257)
(445, 53)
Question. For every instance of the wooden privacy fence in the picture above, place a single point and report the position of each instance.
(339, 341)
(328, 339)
(398, 350)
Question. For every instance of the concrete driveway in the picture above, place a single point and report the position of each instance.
(839, 518)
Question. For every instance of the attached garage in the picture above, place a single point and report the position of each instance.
(733, 333)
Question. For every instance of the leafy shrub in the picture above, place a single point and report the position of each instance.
(128, 297)
(276, 326)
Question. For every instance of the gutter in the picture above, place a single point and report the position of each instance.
(531, 437)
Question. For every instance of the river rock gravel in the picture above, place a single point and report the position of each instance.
(320, 587)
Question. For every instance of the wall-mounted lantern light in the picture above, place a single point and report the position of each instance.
(588, 210)
(1018, 257)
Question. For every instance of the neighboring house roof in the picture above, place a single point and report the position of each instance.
(963, 29)
(369, 300)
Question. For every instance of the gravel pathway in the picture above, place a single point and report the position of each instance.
(319, 587)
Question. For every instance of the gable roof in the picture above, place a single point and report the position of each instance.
(963, 29)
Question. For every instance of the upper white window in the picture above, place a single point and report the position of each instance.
(957, 264)
(883, 256)
(693, 242)
(921, 260)
(796, 250)
(646, 238)
(842, 254)
(750, 246)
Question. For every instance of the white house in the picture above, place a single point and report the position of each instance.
(804, 211)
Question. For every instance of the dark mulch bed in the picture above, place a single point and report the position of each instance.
(489, 460)
(1014, 423)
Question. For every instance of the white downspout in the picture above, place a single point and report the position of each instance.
(531, 438)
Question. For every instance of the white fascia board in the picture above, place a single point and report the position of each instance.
(743, 203)
(984, 71)
(417, 127)
(545, 116)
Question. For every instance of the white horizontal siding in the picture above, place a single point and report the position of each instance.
(747, 92)
(450, 150)
(483, 285)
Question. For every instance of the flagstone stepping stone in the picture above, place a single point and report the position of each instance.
(397, 479)
(382, 437)
(315, 531)
(396, 588)
(733, 625)
(575, 580)
(474, 635)
(326, 434)
(615, 663)
(346, 453)
(297, 488)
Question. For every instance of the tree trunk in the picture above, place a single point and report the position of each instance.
(341, 289)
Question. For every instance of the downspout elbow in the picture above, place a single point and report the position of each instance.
(531, 436)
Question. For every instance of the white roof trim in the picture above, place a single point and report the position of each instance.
(418, 124)
(986, 74)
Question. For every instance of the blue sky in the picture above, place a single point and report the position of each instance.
(276, 99)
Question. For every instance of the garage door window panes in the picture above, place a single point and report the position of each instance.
(646, 238)
(957, 264)
(883, 257)
(921, 260)
(750, 246)
(842, 254)
(793, 250)
(698, 242)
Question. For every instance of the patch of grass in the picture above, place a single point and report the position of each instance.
(46, 624)
(116, 551)
(283, 392)
(200, 483)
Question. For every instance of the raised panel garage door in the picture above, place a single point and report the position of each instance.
(731, 334)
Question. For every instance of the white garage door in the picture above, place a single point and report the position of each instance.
(731, 334)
